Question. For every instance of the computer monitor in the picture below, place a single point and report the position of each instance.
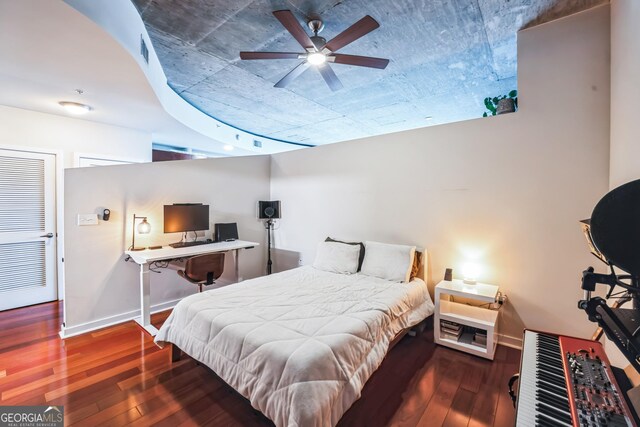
(186, 217)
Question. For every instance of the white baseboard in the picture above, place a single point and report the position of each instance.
(509, 341)
(66, 332)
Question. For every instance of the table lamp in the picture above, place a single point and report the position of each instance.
(470, 272)
(143, 228)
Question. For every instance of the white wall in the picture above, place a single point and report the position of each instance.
(100, 286)
(28, 129)
(625, 91)
(506, 191)
(32, 129)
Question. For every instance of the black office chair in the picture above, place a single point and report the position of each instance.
(203, 269)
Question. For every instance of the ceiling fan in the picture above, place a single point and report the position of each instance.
(318, 52)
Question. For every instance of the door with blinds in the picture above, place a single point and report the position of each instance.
(27, 228)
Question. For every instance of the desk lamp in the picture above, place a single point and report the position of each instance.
(143, 228)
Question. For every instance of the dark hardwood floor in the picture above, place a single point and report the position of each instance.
(117, 376)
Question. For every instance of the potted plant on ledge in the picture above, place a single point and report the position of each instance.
(501, 104)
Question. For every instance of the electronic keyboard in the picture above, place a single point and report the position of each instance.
(568, 382)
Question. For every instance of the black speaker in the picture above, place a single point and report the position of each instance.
(269, 210)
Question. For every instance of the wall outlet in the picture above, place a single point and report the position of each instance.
(300, 262)
(87, 219)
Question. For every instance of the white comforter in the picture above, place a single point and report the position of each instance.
(301, 344)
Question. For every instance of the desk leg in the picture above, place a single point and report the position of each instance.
(145, 301)
(237, 268)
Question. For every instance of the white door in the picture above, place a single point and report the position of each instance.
(27, 228)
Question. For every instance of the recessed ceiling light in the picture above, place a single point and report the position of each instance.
(228, 147)
(75, 107)
(316, 58)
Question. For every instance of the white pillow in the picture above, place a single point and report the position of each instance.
(390, 262)
(337, 257)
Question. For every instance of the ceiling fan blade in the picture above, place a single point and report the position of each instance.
(289, 21)
(270, 55)
(330, 77)
(293, 74)
(353, 33)
(360, 61)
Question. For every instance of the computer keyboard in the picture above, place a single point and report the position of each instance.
(187, 244)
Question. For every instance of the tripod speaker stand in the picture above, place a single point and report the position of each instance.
(269, 226)
(269, 211)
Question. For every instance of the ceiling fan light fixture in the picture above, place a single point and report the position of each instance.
(316, 58)
(317, 51)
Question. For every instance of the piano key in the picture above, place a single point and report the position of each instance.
(550, 378)
(544, 421)
(554, 413)
(540, 383)
(544, 389)
(554, 401)
(547, 367)
(542, 393)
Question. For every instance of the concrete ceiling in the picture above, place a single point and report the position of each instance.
(446, 56)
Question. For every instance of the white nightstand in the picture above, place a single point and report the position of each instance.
(472, 320)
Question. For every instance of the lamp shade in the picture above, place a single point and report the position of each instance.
(144, 227)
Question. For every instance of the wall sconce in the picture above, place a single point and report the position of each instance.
(143, 228)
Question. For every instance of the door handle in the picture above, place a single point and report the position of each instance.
(48, 235)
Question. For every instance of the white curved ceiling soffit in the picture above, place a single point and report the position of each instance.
(121, 21)
(48, 49)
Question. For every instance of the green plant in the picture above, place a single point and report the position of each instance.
(492, 103)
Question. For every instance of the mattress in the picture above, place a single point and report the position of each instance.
(300, 344)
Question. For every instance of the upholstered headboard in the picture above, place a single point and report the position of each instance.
(419, 268)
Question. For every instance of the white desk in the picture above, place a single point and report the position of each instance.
(144, 258)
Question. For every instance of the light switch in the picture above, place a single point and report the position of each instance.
(88, 219)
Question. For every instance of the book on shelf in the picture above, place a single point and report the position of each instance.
(452, 332)
(450, 329)
(479, 342)
(451, 326)
(481, 332)
(480, 337)
(451, 336)
(449, 323)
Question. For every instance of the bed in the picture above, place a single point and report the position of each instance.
(300, 344)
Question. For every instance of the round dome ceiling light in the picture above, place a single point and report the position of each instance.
(75, 108)
(228, 147)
